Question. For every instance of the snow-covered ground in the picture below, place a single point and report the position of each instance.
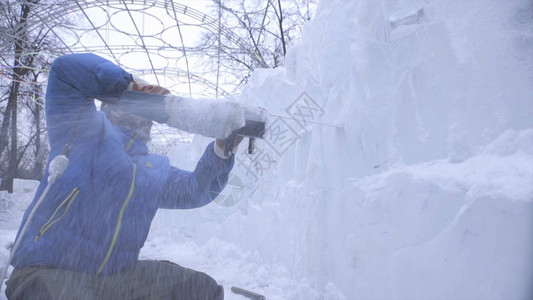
(398, 165)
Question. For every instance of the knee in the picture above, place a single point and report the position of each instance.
(208, 287)
(27, 290)
(219, 295)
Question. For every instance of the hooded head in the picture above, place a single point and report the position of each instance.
(140, 127)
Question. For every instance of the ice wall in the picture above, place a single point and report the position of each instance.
(417, 180)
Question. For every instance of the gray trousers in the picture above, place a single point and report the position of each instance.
(146, 280)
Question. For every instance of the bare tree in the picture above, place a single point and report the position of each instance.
(37, 143)
(22, 44)
(266, 29)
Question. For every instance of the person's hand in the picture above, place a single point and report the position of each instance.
(219, 146)
(238, 140)
(148, 88)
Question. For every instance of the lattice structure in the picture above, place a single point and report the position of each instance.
(152, 38)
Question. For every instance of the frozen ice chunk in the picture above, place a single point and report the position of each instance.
(410, 15)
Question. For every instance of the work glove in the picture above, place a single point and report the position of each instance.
(219, 147)
(139, 85)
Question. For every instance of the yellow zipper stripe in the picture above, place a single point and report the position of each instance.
(66, 209)
(130, 142)
(70, 198)
(119, 223)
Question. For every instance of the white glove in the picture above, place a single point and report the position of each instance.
(219, 147)
(208, 117)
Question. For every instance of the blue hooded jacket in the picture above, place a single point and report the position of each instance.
(96, 217)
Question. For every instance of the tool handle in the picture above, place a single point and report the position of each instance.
(247, 293)
(229, 143)
(251, 129)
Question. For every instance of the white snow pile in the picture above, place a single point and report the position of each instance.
(398, 162)
(405, 171)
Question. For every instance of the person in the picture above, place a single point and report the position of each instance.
(84, 239)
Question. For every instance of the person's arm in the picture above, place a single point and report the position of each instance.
(87, 75)
(186, 189)
(73, 83)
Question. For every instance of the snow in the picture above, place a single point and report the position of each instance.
(410, 176)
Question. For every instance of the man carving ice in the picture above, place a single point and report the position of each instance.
(84, 238)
